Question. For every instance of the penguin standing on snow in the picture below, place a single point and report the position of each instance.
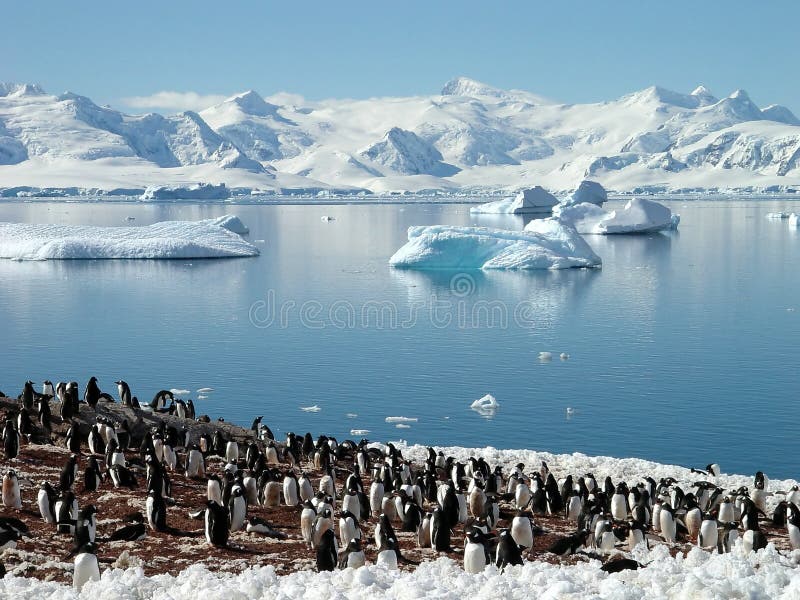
(352, 556)
(86, 566)
(476, 553)
(508, 551)
(326, 552)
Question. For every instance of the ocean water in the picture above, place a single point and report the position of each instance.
(682, 348)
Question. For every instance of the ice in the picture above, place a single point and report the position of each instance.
(535, 200)
(359, 431)
(401, 419)
(588, 192)
(776, 215)
(179, 392)
(201, 191)
(543, 245)
(545, 356)
(794, 220)
(205, 390)
(314, 408)
(231, 223)
(486, 406)
(327, 219)
(402, 426)
(168, 239)
(563, 356)
(637, 216)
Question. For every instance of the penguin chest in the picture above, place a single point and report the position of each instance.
(356, 559)
(693, 520)
(794, 535)
(86, 569)
(667, 526)
(522, 532)
(307, 523)
(618, 509)
(474, 558)
(388, 558)
(708, 536)
(726, 513)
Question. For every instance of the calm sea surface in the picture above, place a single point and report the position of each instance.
(683, 348)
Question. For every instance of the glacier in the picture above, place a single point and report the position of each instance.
(548, 245)
(639, 215)
(468, 138)
(215, 238)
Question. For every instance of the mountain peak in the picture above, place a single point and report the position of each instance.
(252, 103)
(464, 86)
(20, 89)
(740, 95)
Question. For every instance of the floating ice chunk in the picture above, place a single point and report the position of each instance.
(794, 220)
(675, 221)
(168, 239)
(205, 390)
(359, 431)
(570, 410)
(545, 356)
(637, 216)
(588, 192)
(130, 218)
(202, 397)
(314, 408)
(545, 244)
(402, 426)
(179, 392)
(401, 419)
(201, 191)
(351, 415)
(487, 401)
(231, 223)
(777, 215)
(327, 218)
(535, 200)
(563, 356)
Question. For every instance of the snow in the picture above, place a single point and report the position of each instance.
(637, 216)
(766, 573)
(589, 192)
(231, 223)
(543, 245)
(164, 240)
(201, 191)
(470, 138)
(536, 200)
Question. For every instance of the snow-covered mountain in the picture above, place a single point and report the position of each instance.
(470, 137)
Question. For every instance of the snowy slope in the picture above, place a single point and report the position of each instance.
(470, 136)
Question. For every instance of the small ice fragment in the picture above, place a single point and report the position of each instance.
(202, 397)
(327, 218)
(570, 410)
(179, 392)
(402, 426)
(259, 241)
(359, 431)
(777, 215)
(351, 415)
(401, 419)
(545, 356)
(794, 220)
(486, 406)
(205, 390)
(314, 408)
(563, 356)
(130, 218)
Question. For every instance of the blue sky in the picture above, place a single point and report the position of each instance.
(568, 51)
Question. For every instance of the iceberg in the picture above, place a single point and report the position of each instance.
(165, 240)
(588, 192)
(201, 191)
(776, 215)
(536, 200)
(637, 216)
(794, 220)
(231, 223)
(548, 245)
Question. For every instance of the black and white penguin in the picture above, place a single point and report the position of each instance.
(793, 525)
(86, 567)
(388, 554)
(476, 552)
(569, 544)
(522, 529)
(326, 552)
(217, 524)
(237, 506)
(9, 539)
(195, 463)
(85, 526)
(156, 510)
(352, 556)
(508, 551)
(66, 512)
(129, 533)
(708, 534)
(96, 444)
(124, 391)
(45, 418)
(92, 475)
(291, 491)
(322, 523)
(27, 395)
(440, 531)
(10, 440)
(728, 534)
(24, 423)
(46, 500)
(73, 438)
(91, 394)
(11, 494)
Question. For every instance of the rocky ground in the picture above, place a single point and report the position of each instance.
(44, 555)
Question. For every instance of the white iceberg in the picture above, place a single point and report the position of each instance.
(314, 408)
(545, 356)
(637, 216)
(588, 192)
(486, 406)
(401, 419)
(201, 191)
(545, 244)
(231, 223)
(794, 220)
(165, 240)
(359, 431)
(776, 215)
(205, 390)
(535, 200)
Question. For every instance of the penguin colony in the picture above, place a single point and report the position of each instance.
(340, 504)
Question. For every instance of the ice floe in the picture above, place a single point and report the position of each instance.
(165, 240)
(637, 216)
(314, 408)
(486, 406)
(180, 392)
(201, 191)
(776, 215)
(794, 220)
(401, 419)
(205, 390)
(545, 244)
(231, 223)
(588, 192)
(535, 200)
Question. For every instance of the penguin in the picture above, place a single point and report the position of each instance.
(45, 418)
(91, 394)
(9, 539)
(24, 423)
(217, 527)
(85, 526)
(96, 445)
(793, 526)
(92, 475)
(10, 440)
(73, 439)
(569, 544)
(726, 512)
(352, 556)
(440, 531)
(708, 535)
(159, 402)
(48, 391)
(424, 532)
(11, 494)
(66, 411)
(27, 395)
(46, 501)
(305, 488)
(291, 491)
(508, 551)
(388, 554)
(476, 554)
(727, 537)
(667, 523)
(326, 552)
(257, 525)
(232, 452)
(348, 528)
(195, 463)
(124, 391)
(66, 512)
(636, 535)
(376, 494)
(522, 530)
(307, 518)
(86, 567)
(693, 517)
(156, 510)
(237, 506)
(619, 503)
(122, 477)
(322, 523)
(256, 426)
